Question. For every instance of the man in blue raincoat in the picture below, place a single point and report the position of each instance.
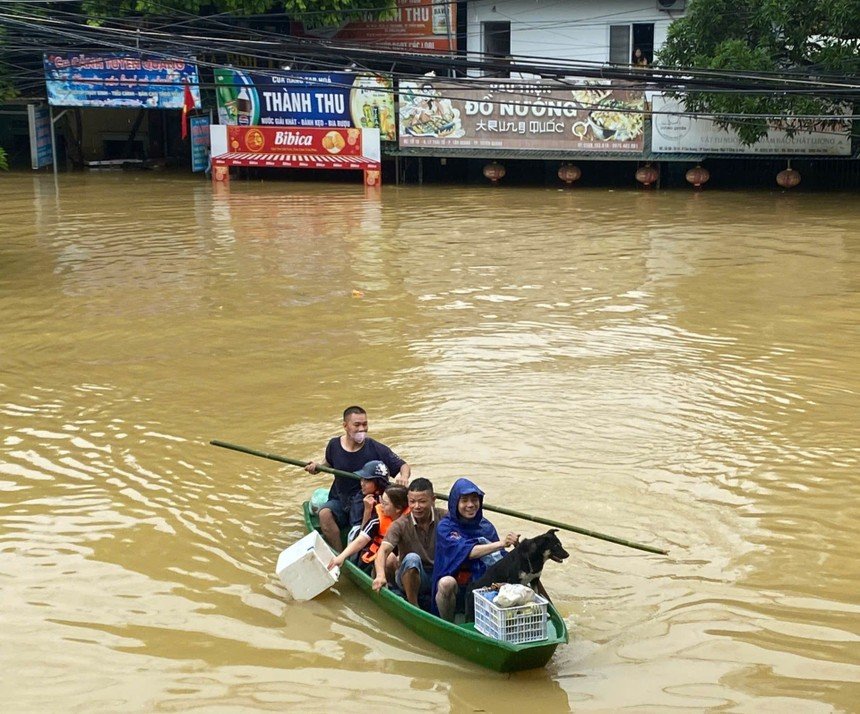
(465, 541)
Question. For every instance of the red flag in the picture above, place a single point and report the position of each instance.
(187, 106)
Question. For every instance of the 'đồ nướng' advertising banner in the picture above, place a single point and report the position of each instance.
(521, 114)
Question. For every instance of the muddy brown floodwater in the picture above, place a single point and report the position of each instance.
(675, 368)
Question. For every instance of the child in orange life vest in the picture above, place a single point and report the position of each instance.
(393, 505)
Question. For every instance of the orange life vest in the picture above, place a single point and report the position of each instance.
(369, 553)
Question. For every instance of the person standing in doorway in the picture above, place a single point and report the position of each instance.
(350, 452)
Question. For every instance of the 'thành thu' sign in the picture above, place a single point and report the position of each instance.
(306, 99)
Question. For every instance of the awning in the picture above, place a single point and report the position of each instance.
(539, 154)
(296, 161)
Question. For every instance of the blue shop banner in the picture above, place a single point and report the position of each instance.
(306, 99)
(199, 142)
(108, 79)
(41, 148)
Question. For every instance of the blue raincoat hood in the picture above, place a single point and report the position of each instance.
(463, 487)
(456, 536)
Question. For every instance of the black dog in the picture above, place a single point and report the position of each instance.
(523, 565)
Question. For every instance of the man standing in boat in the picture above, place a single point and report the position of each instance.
(413, 536)
(350, 452)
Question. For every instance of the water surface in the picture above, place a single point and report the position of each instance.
(674, 368)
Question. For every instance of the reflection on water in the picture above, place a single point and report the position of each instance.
(673, 368)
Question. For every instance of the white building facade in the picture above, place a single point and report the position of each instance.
(569, 30)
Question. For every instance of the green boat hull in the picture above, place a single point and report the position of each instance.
(460, 639)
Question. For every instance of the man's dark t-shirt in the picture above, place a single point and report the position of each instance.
(344, 488)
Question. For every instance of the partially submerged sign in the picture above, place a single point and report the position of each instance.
(296, 148)
(41, 147)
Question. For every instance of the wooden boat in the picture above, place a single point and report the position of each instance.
(460, 639)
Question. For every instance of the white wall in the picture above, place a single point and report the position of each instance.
(564, 29)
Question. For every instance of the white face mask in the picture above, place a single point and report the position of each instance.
(359, 437)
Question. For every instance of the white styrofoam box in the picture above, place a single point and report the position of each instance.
(303, 567)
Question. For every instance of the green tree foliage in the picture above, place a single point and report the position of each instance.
(814, 39)
(324, 12)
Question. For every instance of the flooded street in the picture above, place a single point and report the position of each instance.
(675, 368)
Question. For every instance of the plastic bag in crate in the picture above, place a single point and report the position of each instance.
(517, 624)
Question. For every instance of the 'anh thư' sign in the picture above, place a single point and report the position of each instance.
(415, 25)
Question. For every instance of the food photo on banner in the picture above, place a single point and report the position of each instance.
(112, 79)
(521, 114)
(306, 99)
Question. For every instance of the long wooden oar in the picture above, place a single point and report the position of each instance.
(444, 497)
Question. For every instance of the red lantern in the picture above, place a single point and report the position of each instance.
(494, 171)
(569, 173)
(698, 176)
(647, 174)
(788, 178)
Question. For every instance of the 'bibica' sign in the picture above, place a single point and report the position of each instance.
(265, 142)
(289, 138)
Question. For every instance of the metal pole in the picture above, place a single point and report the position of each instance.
(53, 139)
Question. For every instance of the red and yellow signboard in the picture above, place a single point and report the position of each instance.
(416, 25)
(287, 140)
(295, 147)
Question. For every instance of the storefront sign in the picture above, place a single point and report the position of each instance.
(41, 151)
(295, 147)
(521, 114)
(416, 25)
(118, 80)
(199, 142)
(259, 140)
(673, 133)
(306, 99)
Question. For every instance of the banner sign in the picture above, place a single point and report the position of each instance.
(672, 133)
(199, 142)
(262, 140)
(521, 114)
(103, 79)
(41, 149)
(416, 25)
(295, 148)
(309, 99)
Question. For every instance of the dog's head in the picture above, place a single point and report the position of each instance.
(550, 546)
